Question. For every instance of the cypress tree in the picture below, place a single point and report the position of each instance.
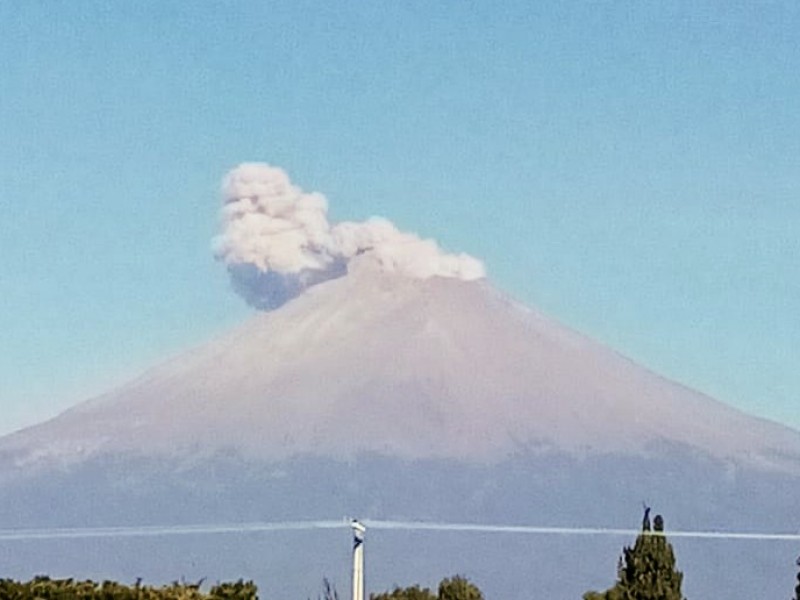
(646, 570)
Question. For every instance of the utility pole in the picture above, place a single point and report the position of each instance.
(358, 559)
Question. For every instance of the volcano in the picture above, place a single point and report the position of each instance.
(397, 397)
(379, 363)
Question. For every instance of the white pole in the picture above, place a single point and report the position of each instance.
(358, 559)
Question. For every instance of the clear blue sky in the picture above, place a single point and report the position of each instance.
(632, 168)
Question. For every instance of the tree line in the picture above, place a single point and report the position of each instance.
(44, 588)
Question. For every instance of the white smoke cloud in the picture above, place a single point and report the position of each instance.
(277, 240)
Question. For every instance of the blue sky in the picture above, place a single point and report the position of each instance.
(631, 168)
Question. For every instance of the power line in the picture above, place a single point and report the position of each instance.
(531, 529)
(164, 530)
(266, 527)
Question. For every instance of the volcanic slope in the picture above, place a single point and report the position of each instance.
(381, 364)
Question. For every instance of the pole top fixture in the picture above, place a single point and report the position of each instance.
(357, 526)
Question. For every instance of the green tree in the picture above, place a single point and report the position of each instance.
(408, 593)
(451, 588)
(646, 571)
(797, 587)
(459, 588)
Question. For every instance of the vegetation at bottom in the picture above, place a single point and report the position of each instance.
(44, 588)
(451, 588)
(797, 587)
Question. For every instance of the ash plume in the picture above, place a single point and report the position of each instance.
(276, 240)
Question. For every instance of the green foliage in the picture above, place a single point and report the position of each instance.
(239, 590)
(797, 587)
(409, 593)
(452, 588)
(646, 571)
(44, 588)
(459, 588)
